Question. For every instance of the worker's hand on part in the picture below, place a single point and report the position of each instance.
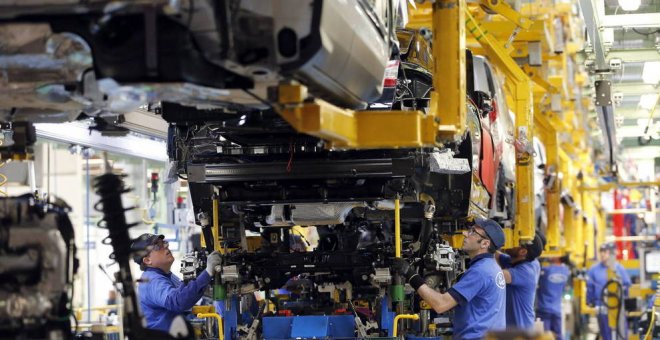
(213, 263)
(403, 268)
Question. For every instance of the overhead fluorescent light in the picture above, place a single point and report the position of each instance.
(630, 5)
(648, 101)
(651, 72)
(79, 133)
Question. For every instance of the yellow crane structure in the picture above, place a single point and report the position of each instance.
(536, 47)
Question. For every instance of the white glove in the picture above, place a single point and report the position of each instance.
(213, 263)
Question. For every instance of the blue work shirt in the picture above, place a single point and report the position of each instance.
(163, 296)
(551, 287)
(597, 278)
(520, 293)
(480, 294)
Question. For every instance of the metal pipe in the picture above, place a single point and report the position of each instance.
(87, 232)
(216, 224)
(402, 316)
(425, 317)
(610, 186)
(639, 238)
(628, 211)
(397, 228)
(218, 318)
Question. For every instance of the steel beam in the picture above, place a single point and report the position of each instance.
(549, 138)
(448, 102)
(627, 211)
(591, 21)
(344, 128)
(610, 186)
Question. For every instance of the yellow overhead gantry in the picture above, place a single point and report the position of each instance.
(529, 46)
(445, 121)
(520, 89)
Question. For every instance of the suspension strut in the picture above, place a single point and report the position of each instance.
(110, 187)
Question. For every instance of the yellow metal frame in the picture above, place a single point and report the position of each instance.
(502, 8)
(343, 128)
(580, 292)
(520, 88)
(221, 335)
(548, 135)
(448, 100)
(504, 39)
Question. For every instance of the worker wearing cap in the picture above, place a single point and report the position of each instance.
(162, 294)
(479, 295)
(521, 271)
(554, 277)
(596, 281)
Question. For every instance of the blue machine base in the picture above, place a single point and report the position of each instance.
(309, 326)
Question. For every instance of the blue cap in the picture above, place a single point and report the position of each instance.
(607, 246)
(493, 230)
(535, 248)
(541, 236)
(140, 244)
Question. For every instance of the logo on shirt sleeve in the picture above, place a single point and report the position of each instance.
(557, 278)
(499, 280)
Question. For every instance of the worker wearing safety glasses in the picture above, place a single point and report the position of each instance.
(478, 298)
(163, 296)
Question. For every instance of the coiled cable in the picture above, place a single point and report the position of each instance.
(618, 296)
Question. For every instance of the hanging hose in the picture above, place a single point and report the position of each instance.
(649, 331)
(3, 178)
(618, 296)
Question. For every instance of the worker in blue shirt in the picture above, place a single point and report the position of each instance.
(521, 271)
(478, 297)
(162, 294)
(596, 281)
(554, 277)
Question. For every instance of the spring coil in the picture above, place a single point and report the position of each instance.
(110, 187)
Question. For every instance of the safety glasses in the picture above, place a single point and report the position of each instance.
(473, 231)
(160, 244)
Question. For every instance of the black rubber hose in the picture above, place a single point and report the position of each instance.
(605, 294)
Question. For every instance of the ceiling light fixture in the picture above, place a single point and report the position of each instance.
(651, 72)
(630, 5)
